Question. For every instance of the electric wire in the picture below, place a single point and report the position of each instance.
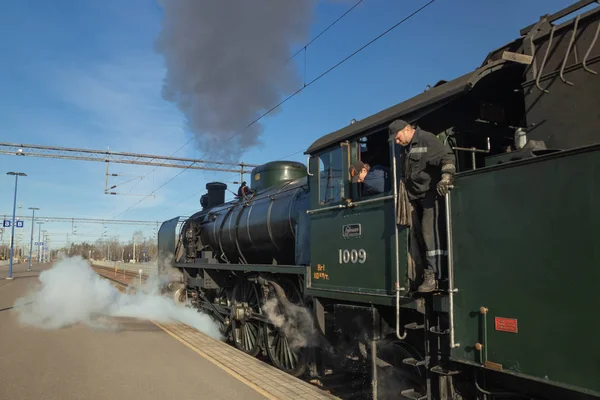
(334, 67)
(303, 48)
(191, 139)
(323, 75)
(306, 85)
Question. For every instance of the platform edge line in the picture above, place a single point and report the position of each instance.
(218, 364)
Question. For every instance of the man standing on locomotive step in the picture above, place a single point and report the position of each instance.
(429, 168)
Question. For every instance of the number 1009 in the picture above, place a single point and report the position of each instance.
(352, 256)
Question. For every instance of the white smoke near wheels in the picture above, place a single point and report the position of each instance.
(226, 63)
(295, 321)
(71, 292)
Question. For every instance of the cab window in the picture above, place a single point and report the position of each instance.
(374, 150)
(331, 177)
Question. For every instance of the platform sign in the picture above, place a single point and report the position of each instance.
(19, 224)
(7, 223)
(39, 243)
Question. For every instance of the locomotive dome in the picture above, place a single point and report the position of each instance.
(275, 173)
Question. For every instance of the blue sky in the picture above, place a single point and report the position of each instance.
(84, 74)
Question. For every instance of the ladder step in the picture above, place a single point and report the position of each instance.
(413, 362)
(414, 325)
(412, 394)
(442, 371)
(438, 331)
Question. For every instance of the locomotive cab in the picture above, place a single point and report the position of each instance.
(356, 240)
(352, 232)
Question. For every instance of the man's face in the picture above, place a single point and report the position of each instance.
(404, 136)
(362, 174)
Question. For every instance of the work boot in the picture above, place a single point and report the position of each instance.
(429, 283)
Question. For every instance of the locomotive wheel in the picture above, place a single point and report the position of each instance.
(180, 296)
(224, 328)
(246, 332)
(283, 355)
(395, 351)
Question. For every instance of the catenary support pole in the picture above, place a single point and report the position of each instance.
(12, 231)
(31, 239)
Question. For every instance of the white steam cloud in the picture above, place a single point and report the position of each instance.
(295, 321)
(71, 292)
(227, 63)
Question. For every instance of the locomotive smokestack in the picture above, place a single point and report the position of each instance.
(216, 193)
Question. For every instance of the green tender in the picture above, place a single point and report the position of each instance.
(525, 248)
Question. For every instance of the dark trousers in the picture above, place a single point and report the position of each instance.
(428, 245)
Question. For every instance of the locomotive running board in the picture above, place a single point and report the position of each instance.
(276, 269)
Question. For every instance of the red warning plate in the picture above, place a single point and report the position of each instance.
(506, 325)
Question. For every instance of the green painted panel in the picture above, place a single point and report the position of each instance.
(353, 249)
(526, 247)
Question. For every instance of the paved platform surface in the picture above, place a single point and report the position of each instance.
(267, 379)
(262, 377)
(140, 361)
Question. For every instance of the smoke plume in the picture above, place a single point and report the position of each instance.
(226, 64)
(71, 292)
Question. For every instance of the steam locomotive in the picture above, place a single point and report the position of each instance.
(315, 274)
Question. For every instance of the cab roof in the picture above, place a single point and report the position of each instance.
(409, 110)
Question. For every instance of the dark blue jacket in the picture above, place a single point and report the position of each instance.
(377, 181)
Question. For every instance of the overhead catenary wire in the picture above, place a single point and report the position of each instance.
(334, 67)
(191, 139)
(306, 85)
(151, 193)
(322, 75)
(291, 154)
(303, 48)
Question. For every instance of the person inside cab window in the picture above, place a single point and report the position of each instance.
(374, 180)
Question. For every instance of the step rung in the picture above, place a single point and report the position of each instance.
(414, 325)
(412, 394)
(413, 362)
(442, 371)
(438, 331)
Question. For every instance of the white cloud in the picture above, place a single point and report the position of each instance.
(125, 111)
(123, 99)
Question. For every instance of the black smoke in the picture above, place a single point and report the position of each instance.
(226, 63)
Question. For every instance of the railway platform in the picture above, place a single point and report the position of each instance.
(260, 376)
(140, 360)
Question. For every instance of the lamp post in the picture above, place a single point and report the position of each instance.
(44, 245)
(12, 231)
(31, 240)
(39, 261)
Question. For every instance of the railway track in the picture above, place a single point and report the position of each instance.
(119, 276)
(346, 386)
